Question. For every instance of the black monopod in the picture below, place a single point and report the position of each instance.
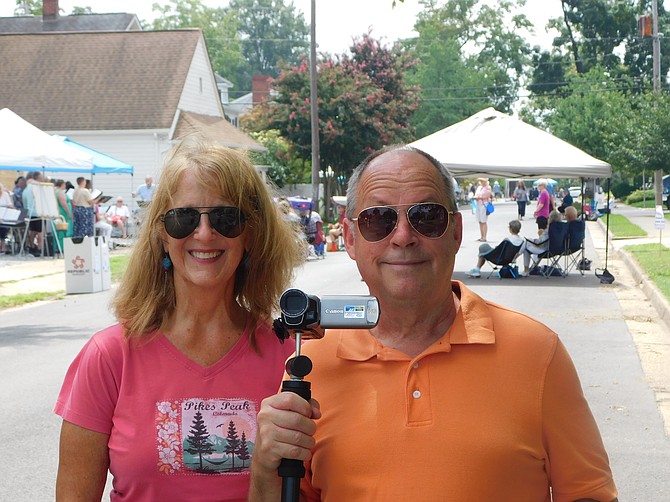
(306, 316)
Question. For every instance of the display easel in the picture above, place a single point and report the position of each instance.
(46, 211)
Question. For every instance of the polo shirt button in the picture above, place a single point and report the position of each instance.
(416, 394)
(415, 365)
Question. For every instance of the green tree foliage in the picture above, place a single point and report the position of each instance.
(245, 38)
(271, 31)
(283, 166)
(219, 27)
(470, 56)
(28, 8)
(198, 438)
(599, 33)
(364, 103)
(630, 131)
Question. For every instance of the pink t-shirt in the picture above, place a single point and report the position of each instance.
(177, 430)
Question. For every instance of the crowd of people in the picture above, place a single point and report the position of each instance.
(179, 399)
(80, 214)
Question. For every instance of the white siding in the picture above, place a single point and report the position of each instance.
(200, 94)
(144, 150)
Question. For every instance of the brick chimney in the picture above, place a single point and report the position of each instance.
(260, 88)
(49, 10)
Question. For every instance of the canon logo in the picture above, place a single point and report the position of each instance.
(334, 311)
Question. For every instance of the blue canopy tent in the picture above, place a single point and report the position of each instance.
(102, 163)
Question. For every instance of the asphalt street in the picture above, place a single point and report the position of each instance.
(38, 342)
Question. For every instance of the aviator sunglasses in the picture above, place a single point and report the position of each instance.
(430, 219)
(181, 222)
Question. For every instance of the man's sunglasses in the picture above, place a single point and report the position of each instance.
(181, 222)
(428, 218)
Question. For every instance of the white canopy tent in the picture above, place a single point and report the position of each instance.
(492, 143)
(24, 147)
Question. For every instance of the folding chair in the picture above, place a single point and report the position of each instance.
(558, 240)
(503, 254)
(574, 251)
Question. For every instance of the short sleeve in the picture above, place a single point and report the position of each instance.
(578, 464)
(90, 391)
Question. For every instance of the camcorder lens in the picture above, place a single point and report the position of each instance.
(293, 303)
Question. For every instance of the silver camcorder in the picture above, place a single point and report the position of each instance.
(310, 315)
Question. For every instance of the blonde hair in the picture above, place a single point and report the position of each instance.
(146, 296)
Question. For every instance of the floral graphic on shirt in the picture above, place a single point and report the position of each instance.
(205, 436)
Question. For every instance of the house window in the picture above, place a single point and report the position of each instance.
(200, 85)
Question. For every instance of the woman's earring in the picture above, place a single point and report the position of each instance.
(167, 262)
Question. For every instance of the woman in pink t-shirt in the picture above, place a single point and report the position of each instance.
(543, 207)
(166, 400)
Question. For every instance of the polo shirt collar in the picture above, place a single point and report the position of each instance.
(473, 325)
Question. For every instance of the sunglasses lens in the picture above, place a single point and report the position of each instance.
(227, 221)
(430, 220)
(181, 222)
(377, 223)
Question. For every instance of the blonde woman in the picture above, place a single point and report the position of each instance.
(482, 197)
(166, 399)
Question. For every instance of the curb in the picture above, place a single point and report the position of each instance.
(651, 291)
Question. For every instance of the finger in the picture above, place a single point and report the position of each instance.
(288, 401)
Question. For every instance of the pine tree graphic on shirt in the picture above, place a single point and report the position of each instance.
(205, 436)
(243, 451)
(198, 439)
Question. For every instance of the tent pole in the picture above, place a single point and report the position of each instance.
(606, 277)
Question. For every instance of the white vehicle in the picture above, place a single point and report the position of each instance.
(575, 191)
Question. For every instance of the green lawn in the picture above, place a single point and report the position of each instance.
(650, 204)
(117, 265)
(621, 227)
(22, 299)
(655, 261)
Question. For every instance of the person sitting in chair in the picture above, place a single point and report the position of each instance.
(484, 249)
(118, 215)
(541, 244)
(567, 201)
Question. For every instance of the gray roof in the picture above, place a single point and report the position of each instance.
(96, 80)
(216, 128)
(75, 22)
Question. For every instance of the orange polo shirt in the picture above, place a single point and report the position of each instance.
(492, 411)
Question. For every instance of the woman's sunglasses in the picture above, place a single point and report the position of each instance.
(428, 218)
(181, 222)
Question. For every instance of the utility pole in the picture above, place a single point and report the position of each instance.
(656, 49)
(314, 111)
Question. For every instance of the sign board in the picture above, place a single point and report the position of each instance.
(660, 219)
(46, 205)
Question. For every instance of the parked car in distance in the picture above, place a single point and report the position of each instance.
(575, 191)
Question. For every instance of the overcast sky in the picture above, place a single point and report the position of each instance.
(337, 21)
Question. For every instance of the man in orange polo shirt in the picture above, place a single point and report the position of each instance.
(450, 397)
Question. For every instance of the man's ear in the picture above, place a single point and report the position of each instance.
(349, 238)
(458, 228)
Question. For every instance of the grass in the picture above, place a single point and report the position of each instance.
(650, 204)
(117, 265)
(621, 227)
(655, 261)
(24, 298)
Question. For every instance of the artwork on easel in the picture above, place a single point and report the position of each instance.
(46, 205)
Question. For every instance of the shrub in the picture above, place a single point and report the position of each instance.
(639, 196)
(621, 189)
